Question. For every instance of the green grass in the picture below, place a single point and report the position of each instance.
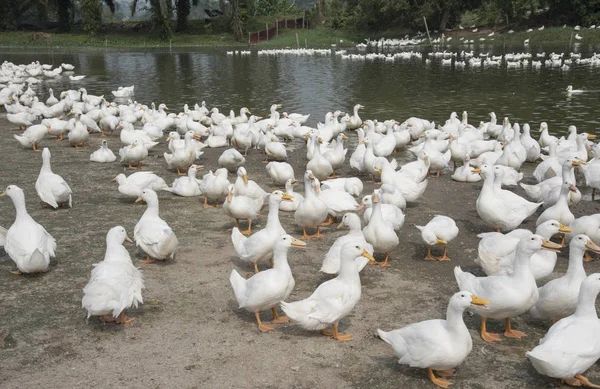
(553, 35)
(25, 39)
(200, 35)
(312, 38)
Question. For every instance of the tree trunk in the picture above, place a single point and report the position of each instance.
(444, 20)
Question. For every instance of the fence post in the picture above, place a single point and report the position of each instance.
(297, 42)
(267, 28)
(276, 27)
(249, 41)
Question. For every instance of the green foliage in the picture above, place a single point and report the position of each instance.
(237, 23)
(338, 14)
(270, 7)
(588, 11)
(64, 10)
(92, 16)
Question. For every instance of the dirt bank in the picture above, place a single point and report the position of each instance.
(189, 333)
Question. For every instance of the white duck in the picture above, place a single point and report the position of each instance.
(358, 156)
(280, 172)
(380, 233)
(331, 263)
(103, 154)
(27, 243)
(440, 230)
(337, 155)
(319, 165)
(182, 158)
(151, 233)
(296, 198)
(464, 173)
(550, 166)
(338, 201)
(531, 145)
(134, 153)
(52, 188)
(355, 121)
(509, 295)
(495, 211)
(571, 346)
(312, 211)
(496, 251)
(558, 298)
(333, 299)
(259, 246)
(214, 186)
(545, 138)
(352, 185)
(231, 159)
(392, 214)
(32, 136)
(266, 289)
(560, 210)
(134, 184)
(186, 186)
(436, 345)
(246, 187)
(390, 194)
(115, 284)
(411, 189)
(242, 207)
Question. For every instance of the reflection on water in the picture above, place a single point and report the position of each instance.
(317, 84)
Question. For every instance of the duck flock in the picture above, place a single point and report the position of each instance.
(516, 261)
(458, 59)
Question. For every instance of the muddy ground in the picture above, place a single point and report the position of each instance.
(190, 333)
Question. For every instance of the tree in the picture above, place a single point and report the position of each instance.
(237, 24)
(161, 11)
(183, 8)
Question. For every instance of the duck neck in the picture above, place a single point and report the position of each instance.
(20, 207)
(46, 167)
(348, 270)
(563, 199)
(521, 264)
(586, 303)
(488, 183)
(280, 261)
(454, 319)
(152, 209)
(273, 217)
(575, 268)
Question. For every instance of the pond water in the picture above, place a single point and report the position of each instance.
(321, 83)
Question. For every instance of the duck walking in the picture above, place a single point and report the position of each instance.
(52, 188)
(266, 289)
(436, 345)
(27, 243)
(151, 233)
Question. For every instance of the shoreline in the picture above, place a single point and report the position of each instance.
(312, 38)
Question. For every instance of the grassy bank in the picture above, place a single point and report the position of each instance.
(554, 35)
(313, 38)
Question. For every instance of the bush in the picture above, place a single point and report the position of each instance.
(92, 16)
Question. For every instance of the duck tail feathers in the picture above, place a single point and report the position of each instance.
(238, 283)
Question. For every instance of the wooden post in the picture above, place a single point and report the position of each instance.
(571, 40)
(267, 28)
(427, 28)
(249, 41)
(305, 44)
(297, 41)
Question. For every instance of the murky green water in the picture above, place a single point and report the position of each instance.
(317, 84)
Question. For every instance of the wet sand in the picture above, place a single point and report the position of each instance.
(189, 333)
